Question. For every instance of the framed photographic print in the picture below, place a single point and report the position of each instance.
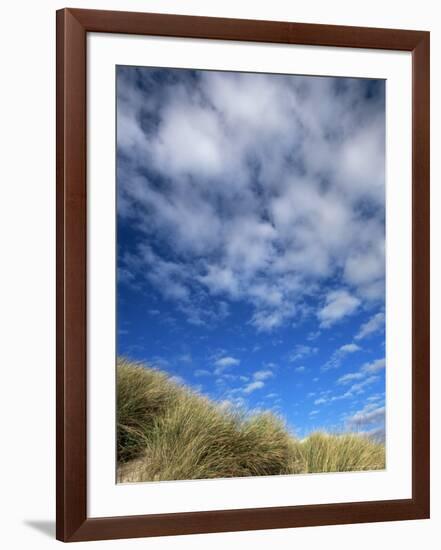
(242, 274)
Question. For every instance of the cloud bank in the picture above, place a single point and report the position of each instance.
(266, 190)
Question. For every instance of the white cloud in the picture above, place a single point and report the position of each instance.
(365, 370)
(233, 402)
(375, 397)
(174, 149)
(260, 209)
(320, 401)
(374, 324)
(374, 366)
(350, 377)
(272, 395)
(201, 372)
(167, 276)
(301, 351)
(253, 386)
(263, 374)
(266, 321)
(300, 369)
(257, 382)
(350, 348)
(359, 386)
(367, 416)
(223, 363)
(362, 160)
(227, 362)
(363, 268)
(337, 357)
(354, 390)
(220, 280)
(338, 304)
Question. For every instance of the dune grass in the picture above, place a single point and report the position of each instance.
(167, 432)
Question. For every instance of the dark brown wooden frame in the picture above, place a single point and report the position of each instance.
(72, 521)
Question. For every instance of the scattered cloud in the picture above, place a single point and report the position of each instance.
(367, 369)
(358, 387)
(272, 395)
(253, 386)
(367, 416)
(350, 377)
(320, 401)
(336, 358)
(263, 374)
(223, 363)
(374, 366)
(234, 402)
(338, 304)
(376, 397)
(279, 217)
(257, 382)
(354, 390)
(349, 348)
(290, 184)
(201, 372)
(371, 326)
(228, 361)
(301, 351)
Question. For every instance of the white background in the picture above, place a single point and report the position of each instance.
(27, 301)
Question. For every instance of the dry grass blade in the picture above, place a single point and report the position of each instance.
(167, 432)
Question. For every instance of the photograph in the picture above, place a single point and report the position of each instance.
(242, 282)
(219, 281)
(250, 261)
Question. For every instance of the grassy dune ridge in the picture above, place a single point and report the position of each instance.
(165, 431)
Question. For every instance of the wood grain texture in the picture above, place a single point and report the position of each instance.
(246, 29)
(421, 274)
(71, 503)
(71, 276)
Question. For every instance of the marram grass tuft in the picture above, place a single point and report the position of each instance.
(167, 432)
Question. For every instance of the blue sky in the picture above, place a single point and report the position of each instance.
(251, 239)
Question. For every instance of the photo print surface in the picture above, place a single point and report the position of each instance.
(250, 274)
